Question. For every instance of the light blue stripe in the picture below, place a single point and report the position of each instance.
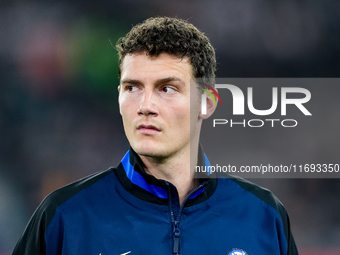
(199, 192)
(138, 179)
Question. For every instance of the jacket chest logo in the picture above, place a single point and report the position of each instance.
(236, 251)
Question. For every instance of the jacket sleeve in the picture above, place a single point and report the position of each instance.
(32, 241)
(292, 249)
(288, 246)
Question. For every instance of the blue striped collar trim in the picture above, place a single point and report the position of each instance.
(137, 179)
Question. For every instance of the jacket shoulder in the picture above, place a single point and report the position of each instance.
(269, 198)
(32, 240)
(61, 195)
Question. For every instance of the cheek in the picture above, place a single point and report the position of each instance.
(195, 101)
(182, 117)
(126, 106)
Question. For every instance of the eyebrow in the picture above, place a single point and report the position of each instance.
(169, 79)
(158, 82)
(130, 81)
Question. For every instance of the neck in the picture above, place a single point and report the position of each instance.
(175, 170)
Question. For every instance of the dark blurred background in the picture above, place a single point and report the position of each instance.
(59, 116)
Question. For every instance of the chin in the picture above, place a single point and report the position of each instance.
(149, 149)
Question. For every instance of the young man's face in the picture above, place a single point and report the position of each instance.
(154, 101)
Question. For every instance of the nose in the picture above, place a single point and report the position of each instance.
(148, 105)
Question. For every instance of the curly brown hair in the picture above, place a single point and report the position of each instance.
(173, 36)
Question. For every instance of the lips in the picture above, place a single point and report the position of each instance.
(148, 129)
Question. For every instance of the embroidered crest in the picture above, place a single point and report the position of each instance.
(237, 251)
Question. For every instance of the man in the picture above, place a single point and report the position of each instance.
(149, 204)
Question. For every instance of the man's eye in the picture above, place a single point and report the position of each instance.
(131, 88)
(168, 90)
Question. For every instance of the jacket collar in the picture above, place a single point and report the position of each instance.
(143, 185)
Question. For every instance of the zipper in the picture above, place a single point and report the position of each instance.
(176, 220)
(176, 234)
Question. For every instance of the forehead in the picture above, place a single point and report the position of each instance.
(141, 66)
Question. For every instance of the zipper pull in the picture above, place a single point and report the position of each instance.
(176, 233)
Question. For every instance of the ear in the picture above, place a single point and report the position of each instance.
(119, 99)
(210, 105)
(118, 92)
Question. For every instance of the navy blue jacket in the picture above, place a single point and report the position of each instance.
(124, 210)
